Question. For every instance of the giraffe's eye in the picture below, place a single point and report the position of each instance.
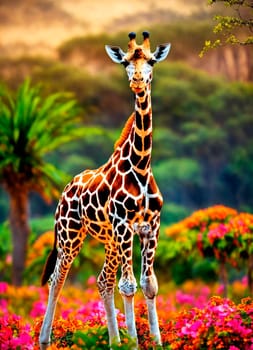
(125, 63)
(151, 62)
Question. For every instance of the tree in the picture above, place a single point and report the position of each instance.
(30, 128)
(234, 28)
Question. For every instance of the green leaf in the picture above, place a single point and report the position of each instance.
(31, 127)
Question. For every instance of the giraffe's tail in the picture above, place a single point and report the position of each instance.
(50, 263)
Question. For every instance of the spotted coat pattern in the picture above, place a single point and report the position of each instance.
(114, 202)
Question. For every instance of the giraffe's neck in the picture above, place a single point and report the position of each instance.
(141, 133)
(133, 149)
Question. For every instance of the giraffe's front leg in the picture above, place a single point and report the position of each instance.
(127, 283)
(106, 283)
(148, 281)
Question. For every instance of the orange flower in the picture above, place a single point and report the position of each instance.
(44, 241)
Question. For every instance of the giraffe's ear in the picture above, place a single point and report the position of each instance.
(161, 52)
(115, 53)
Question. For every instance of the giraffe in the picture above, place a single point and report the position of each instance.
(112, 203)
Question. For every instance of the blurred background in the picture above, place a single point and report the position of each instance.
(202, 107)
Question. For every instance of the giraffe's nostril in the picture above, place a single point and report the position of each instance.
(136, 80)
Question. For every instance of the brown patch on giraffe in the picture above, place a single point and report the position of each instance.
(98, 179)
(91, 213)
(117, 183)
(85, 177)
(64, 208)
(144, 163)
(72, 234)
(144, 104)
(131, 187)
(146, 122)
(138, 143)
(126, 150)
(124, 166)
(147, 141)
(72, 191)
(76, 243)
(100, 215)
(135, 158)
(110, 176)
(94, 200)
(138, 53)
(103, 193)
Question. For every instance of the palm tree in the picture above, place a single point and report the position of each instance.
(30, 128)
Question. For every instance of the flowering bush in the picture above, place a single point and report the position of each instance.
(231, 240)
(220, 325)
(196, 227)
(15, 333)
(190, 319)
(220, 232)
(189, 235)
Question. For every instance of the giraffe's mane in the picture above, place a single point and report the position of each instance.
(125, 132)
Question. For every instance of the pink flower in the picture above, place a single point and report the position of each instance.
(8, 259)
(38, 309)
(15, 334)
(65, 313)
(183, 298)
(3, 287)
(3, 306)
(191, 329)
(217, 233)
(245, 281)
(236, 325)
(220, 289)
(91, 281)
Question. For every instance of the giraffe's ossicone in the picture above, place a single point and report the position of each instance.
(112, 203)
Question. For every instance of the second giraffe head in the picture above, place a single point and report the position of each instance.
(138, 60)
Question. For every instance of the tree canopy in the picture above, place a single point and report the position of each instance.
(234, 24)
(31, 126)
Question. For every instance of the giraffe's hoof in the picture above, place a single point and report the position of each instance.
(44, 346)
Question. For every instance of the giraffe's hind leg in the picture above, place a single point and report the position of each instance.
(63, 264)
(57, 281)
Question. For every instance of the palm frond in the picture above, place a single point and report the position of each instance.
(31, 127)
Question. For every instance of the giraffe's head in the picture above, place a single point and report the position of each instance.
(138, 60)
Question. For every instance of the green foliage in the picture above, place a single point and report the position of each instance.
(42, 224)
(30, 128)
(234, 28)
(175, 173)
(204, 269)
(98, 338)
(5, 252)
(92, 44)
(64, 341)
(172, 213)
(182, 170)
